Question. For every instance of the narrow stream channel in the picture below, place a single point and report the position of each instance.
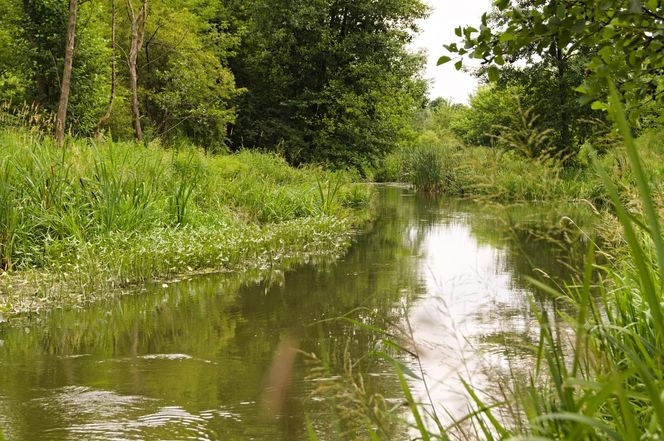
(189, 360)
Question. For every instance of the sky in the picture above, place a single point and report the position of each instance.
(438, 30)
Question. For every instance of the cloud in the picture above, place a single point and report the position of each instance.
(438, 30)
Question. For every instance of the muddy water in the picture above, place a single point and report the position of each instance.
(191, 360)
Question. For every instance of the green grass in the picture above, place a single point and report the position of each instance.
(78, 221)
(603, 377)
(606, 381)
(499, 175)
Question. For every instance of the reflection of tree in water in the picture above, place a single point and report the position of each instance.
(231, 326)
(230, 331)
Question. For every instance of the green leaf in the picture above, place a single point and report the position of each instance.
(506, 36)
(469, 30)
(457, 31)
(458, 65)
(581, 89)
(499, 60)
(494, 74)
(598, 105)
(606, 52)
(442, 60)
(311, 432)
(579, 26)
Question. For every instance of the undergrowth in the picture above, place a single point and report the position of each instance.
(603, 377)
(501, 175)
(88, 217)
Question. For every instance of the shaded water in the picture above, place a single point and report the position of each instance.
(189, 361)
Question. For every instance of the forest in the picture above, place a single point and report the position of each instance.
(249, 219)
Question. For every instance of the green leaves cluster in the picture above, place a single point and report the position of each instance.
(624, 38)
(319, 81)
(328, 81)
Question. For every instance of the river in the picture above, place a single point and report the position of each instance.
(193, 359)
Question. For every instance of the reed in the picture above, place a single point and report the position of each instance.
(89, 217)
(606, 381)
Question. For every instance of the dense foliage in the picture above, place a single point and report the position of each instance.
(108, 215)
(325, 81)
(569, 49)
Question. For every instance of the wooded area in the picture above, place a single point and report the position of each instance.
(324, 81)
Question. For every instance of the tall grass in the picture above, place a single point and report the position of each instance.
(90, 216)
(500, 175)
(603, 378)
(607, 381)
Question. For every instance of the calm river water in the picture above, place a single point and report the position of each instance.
(190, 360)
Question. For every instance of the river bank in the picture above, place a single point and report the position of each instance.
(442, 162)
(602, 378)
(92, 220)
(193, 357)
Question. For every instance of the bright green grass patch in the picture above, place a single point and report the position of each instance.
(508, 176)
(91, 217)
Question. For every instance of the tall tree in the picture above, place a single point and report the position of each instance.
(61, 116)
(137, 24)
(37, 57)
(109, 111)
(624, 38)
(328, 81)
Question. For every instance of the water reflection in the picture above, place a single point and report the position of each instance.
(475, 321)
(189, 361)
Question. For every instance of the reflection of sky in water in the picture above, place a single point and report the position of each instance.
(91, 414)
(189, 360)
(469, 295)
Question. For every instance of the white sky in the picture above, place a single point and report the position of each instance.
(438, 30)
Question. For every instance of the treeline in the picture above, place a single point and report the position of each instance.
(548, 64)
(329, 81)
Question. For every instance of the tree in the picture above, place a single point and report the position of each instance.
(36, 57)
(570, 122)
(328, 81)
(14, 68)
(491, 108)
(137, 33)
(623, 38)
(61, 116)
(109, 111)
(187, 86)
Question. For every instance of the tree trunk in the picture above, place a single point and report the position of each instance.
(137, 28)
(104, 119)
(61, 116)
(565, 146)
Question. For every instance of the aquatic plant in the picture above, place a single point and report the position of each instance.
(606, 381)
(94, 216)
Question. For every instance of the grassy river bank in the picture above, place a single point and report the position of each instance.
(92, 220)
(603, 378)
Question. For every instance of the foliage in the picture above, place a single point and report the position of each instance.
(490, 108)
(424, 168)
(496, 174)
(185, 79)
(327, 81)
(31, 62)
(621, 37)
(538, 86)
(609, 383)
(109, 215)
(524, 135)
